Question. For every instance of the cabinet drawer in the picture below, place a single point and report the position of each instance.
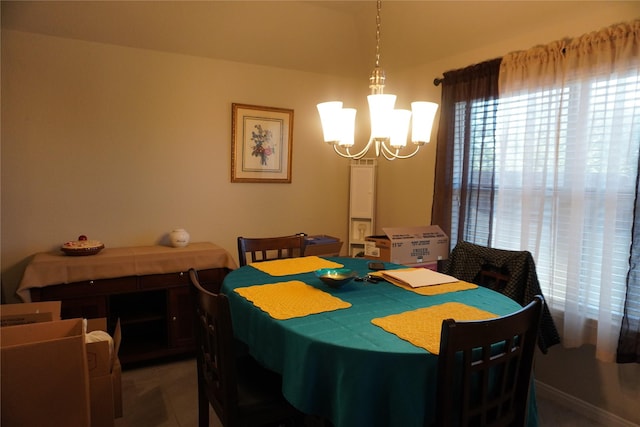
(89, 288)
(163, 281)
(211, 277)
(88, 307)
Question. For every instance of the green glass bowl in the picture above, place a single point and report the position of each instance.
(335, 277)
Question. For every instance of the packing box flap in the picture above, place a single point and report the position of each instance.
(411, 233)
(104, 374)
(34, 312)
(101, 355)
(39, 332)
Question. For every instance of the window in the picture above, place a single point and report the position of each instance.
(557, 178)
(539, 151)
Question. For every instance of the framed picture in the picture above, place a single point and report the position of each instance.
(261, 144)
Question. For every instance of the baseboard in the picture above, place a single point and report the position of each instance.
(587, 409)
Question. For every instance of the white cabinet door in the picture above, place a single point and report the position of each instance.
(362, 203)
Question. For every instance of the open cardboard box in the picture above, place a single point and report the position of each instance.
(408, 245)
(101, 365)
(21, 314)
(45, 380)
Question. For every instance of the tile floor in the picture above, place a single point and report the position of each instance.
(164, 395)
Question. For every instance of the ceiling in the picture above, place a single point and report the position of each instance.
(335, 37)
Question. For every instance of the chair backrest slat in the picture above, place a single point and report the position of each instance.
(484, 369)
(214, 354)
(269, 248)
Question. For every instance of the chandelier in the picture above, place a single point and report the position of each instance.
(389, 127)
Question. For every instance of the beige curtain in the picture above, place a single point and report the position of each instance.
(568, 138)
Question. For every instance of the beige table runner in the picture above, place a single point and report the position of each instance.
(53, 268)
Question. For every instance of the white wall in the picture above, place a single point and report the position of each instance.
(123, 145)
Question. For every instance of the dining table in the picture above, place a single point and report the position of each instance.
(336, 349)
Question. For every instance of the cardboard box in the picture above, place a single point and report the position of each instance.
(105, 381)
(408, 245)
(322, 245)
(20, 314)
(102, 401)
(116, 384)
(102, 366)
(44, 375)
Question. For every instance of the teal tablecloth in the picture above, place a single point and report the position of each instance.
(340, 366)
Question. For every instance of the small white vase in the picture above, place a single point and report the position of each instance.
(179, 238)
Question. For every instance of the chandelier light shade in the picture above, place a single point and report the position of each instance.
(389, 127)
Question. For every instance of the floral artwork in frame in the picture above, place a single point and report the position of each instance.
(261, 144)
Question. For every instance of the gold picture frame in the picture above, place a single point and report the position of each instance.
(261, 144)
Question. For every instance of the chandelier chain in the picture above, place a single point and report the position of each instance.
(378, 25)
(389, 126)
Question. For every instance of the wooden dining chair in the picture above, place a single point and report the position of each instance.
(241, 392)
(492, 277)
(505, 271)
(485, 369)
(269, 248)
(510, 272)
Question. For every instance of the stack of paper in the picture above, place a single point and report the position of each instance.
(417, 277)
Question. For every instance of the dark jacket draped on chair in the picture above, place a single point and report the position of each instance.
(467, 260)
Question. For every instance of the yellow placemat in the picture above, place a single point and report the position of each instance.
(286, 300)
(286, 266)
(422, 327)
(433, 289)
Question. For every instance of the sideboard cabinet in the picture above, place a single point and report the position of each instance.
(155, 310)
